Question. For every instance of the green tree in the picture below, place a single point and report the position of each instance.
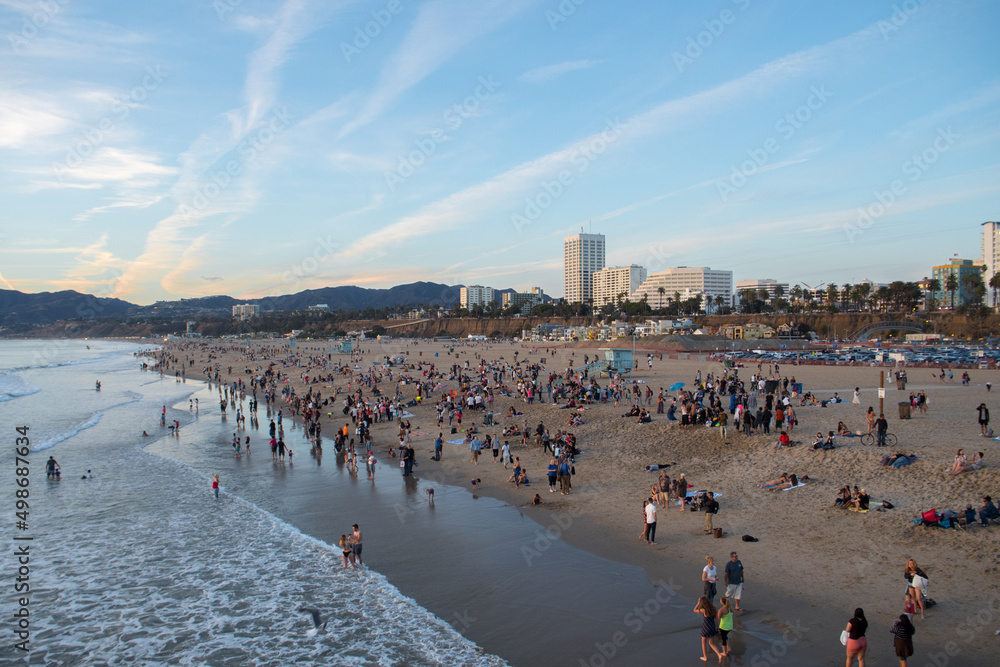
(995, 285)
(951, 284)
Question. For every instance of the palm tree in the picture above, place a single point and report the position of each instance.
(661, 290)
(845, 296)
(933, 287)
(677, 302)
(973, 288)
(720, 301)
(995, 285)
(951, 284)
(832, 294)
(779, 292)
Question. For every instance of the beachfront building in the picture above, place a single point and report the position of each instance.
(959, 268)
(245, 311)
(475, 295)
(773, 288)
(660, 288)
(991, 257)
(319, 308)
(612, 281)
(583, 254)
(523, 300)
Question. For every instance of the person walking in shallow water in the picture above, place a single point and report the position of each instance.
(215, 485)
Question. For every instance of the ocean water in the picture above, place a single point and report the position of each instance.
(140, 565)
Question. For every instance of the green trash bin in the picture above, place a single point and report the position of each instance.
(904, 410)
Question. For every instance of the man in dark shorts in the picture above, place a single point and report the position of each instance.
(881, 427)
(356, 536)
(51, 466)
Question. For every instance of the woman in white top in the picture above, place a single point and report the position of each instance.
(709, 575)
(856, 401)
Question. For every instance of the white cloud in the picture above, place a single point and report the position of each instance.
(550, 72)
(25, 119)
(441, 30)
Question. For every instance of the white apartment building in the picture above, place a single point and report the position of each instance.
(527, 300)
(245, 311)
(475, 295)
(614, 280)
(688, 281)
(582, 255)
(991, 256)
(759, 284)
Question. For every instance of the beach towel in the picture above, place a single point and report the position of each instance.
(420, 432)
(460, 441)
(855, 509)
(691, 494)
(800, 484)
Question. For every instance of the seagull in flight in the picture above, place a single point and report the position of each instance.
(318, 621)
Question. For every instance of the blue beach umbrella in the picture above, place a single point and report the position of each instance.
(677, 385)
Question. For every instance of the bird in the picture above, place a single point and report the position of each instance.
(318, 621)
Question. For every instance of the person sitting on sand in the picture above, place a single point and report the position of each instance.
(644, 417)
(634, 412)
(575, 420)
(977, 462)
(961, 463)
(843, 430)
(860, 501)
(537, 500)
(783, 441)
(843, 498)
(522, 478)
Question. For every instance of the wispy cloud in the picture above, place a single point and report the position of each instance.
(550, 72)
(442, 29)
(24, 119)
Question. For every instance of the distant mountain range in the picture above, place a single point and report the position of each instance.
(20, 308)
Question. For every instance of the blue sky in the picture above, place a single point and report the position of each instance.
(188, 148)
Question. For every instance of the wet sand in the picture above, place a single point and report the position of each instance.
(802, 538)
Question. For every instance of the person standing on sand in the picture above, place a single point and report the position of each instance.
(984, 418)
(870, 418)
(733, 578)
(856, 401)
(857, 643)
(711, 509)
(709, 575)
(903, 632)
(650, 533)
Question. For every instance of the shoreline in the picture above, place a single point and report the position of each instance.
(786, 555)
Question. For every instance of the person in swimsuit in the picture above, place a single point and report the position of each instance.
(346, 550)
(356, 543)
(708, 629)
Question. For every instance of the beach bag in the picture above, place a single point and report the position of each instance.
(930, 515)
(844, 637)
(920, 583)
(716, 532)
(750, 538)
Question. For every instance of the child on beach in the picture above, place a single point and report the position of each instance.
(215, 485)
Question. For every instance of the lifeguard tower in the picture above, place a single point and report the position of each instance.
(617, 360)
(345, 347)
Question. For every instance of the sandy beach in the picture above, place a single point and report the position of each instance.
(848, 559)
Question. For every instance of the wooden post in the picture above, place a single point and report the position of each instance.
(881, 391)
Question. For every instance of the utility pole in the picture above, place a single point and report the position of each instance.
(881, 391)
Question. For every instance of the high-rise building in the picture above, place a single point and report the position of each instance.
(526, 300)
(475, 295)
(582, 255)
(245, 311)
(991, 256)
(960, 268)
(687, 281)
(611, 281)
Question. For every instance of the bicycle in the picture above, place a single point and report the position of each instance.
(869, 439)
